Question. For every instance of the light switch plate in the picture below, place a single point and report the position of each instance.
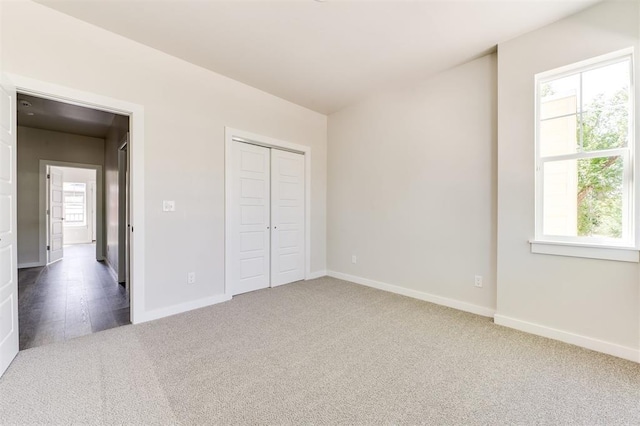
(168, 206)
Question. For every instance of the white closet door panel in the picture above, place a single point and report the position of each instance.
(287, 217)
(249, 218)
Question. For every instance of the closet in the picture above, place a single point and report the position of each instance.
(265, 217)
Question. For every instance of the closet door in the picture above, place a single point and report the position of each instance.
(249, 217)
(287, 217)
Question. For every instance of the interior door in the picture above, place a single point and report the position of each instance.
(287, 217)
(250, 221)
(8, 251)
(56, 213)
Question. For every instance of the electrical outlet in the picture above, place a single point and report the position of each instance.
(191, 278)
(354, 259)
(478, 281)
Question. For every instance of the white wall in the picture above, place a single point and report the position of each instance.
(186, 109)
(35, 145)
(80, 234)
(411, 186)
(594, 299)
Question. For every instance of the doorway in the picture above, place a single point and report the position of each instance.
(267, 212)
(75, 287)
(69, 207)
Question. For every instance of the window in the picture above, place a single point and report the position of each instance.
(584, 154)
(75, 206)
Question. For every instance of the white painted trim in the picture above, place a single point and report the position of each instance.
(609, 348)
(183, 307)
(230, 135)
(427, 297)
(585, 65)
(42, 212)
(317, 274)
(136, 132)
(30, 265)
(619, 254)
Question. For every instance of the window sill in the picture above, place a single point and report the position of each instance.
(589, 251)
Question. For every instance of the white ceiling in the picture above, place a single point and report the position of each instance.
(47, 114)
(322, 55)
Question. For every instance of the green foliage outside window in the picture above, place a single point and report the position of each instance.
(605, 125)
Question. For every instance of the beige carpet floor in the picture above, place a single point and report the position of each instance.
(318, 352)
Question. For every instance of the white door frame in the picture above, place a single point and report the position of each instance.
(93, 186)
(123, 219)
(100, 240)
(135, 112)
(232, 135)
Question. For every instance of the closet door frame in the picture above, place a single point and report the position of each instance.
(234, 135)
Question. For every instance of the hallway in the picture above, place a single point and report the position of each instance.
(69, 298)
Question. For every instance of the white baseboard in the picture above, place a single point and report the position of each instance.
(427, 297)
(183, 307)
(113, 272)
(30, 265)
(317, 274)
(564, 336)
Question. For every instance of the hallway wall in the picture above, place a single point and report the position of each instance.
(119, 128)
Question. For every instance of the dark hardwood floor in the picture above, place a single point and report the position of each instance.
(69, 298)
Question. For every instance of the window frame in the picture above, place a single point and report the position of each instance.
(560, 244)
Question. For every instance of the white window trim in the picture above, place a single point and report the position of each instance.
(589, 251)
(626, 249)
(76, 224)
